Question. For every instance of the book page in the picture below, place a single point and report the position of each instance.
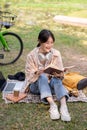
(69, 67)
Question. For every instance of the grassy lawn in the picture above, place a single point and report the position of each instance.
(71, 41)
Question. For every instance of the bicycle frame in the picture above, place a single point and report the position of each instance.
(3, 42)
(7, 22)
(10, 52)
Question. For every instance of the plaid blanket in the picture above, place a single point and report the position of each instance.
(31, 98)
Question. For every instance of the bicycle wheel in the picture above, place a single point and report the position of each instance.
(16, 48)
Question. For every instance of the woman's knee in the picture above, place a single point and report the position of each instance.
(55, 81)
(43, 77)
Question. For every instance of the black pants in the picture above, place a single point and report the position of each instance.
(82, 84)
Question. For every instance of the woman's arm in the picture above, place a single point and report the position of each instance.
(30, 69)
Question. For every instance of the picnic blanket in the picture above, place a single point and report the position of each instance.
(31, 98)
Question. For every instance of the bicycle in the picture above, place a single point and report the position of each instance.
(11, 45)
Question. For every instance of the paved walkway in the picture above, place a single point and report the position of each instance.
(71, 20)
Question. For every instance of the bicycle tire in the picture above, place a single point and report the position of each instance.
(15, 44)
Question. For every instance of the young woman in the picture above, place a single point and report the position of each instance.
(40, 83)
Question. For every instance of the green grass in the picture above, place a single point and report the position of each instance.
(36, 117)
(32, 17)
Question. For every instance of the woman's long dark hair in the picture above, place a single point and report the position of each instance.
(44, 35)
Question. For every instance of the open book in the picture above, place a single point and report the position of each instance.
(52, 69)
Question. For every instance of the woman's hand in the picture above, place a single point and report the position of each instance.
(39, 72)
(60, 75)
(68, 68)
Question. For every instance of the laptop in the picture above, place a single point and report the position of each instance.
(11, 85)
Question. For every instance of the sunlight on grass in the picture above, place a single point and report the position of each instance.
(81, 14)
